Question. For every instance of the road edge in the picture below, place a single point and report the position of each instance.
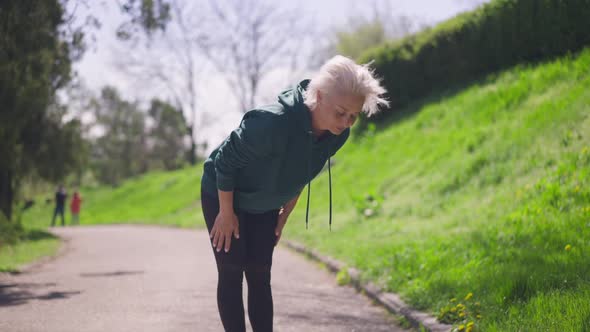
(391, 301)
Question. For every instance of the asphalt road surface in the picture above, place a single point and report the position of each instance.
(144, 278)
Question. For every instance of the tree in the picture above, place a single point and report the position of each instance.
(35, 58)
(147, 16)
(121, 151)
(247, 39)
(166, 137)
(165, 54)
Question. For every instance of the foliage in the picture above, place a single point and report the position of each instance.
(497, 35)
(463, 314)
(148, 16)
(134, 141)
(166, 137)
(119, 153)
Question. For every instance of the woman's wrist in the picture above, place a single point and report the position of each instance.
(226, 202)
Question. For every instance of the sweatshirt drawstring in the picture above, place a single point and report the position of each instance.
(309, 183)
(309, 177)
(330, 182)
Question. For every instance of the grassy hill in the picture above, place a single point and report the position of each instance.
(476, 207)
(486, 191)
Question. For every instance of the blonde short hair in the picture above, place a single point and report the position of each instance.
(342, 75)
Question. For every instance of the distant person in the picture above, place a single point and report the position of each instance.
(60, 202)
(252, 181)
(75, 205)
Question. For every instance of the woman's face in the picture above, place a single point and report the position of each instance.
(337, 112)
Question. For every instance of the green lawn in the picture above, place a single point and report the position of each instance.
(480, 202)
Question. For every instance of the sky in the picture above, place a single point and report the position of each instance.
(97, 68)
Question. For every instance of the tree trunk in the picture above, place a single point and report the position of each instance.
(192, 153)
(6, 193)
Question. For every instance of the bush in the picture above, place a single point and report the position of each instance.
(497, 35)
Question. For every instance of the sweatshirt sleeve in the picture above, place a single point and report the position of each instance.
(252, 140)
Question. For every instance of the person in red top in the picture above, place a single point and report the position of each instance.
(75, 208)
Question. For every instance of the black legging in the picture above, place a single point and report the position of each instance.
(251, 255)
(59, 210)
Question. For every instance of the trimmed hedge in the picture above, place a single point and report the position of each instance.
(497, 35)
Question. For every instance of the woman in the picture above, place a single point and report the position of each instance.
(253, 180)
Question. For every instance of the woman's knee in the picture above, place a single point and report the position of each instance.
(258, 275)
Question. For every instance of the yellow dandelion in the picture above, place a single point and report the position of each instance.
(568, 247)
(478, 316)
(453, 309)
(461, 327)
(462, 314)
(453, 299)
(470, 324)
(469, 296)
(469, 329)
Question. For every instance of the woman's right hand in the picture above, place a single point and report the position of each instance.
(226, 225)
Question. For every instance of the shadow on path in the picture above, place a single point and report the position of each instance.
(110, 274)
(20, 293)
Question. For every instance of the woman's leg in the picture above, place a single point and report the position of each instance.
(260, 242)
(230, 268)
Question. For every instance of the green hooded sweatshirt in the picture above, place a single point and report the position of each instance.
(271, 156)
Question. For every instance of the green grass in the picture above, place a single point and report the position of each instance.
(33, 245)
(162, 198)
(477, 192)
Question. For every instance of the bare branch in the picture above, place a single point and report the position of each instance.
(243, 45)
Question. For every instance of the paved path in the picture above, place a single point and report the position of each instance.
(143, 278)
